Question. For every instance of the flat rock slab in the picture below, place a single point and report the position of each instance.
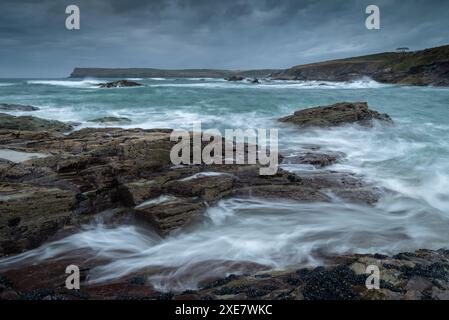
(18, 156)
(336, 115)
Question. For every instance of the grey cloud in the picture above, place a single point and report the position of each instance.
(206, 33)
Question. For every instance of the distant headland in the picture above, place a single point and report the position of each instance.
(423, 67)
(168, 73)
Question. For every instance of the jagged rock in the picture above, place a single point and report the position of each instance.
(235, 78)
(119, 84)
(17, 107)
(335, 115)
(111, 119)
(29, 123)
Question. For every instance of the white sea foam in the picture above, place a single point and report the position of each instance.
(158, 200)
(203, 174)
(389, 157)
(4, 84)
(87, 83)
(280, 84)
(19, 156)
(276, 234)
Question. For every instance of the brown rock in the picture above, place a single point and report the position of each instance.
(209, 188)
(317, 159)
(336, 115)
(30, 214)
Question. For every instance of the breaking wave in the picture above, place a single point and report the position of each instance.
(66, 83)
(279, 84)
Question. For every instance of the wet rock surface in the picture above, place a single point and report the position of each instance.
(17, 107)
(92, 170)
(314, 158)
(254, 81)
(29, 214)
(119, 84)
(336, 115)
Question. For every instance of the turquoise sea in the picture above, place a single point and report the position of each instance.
(410, 158)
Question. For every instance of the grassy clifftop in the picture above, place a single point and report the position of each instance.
(424, 67)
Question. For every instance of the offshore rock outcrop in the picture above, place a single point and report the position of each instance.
(119, 84)
(17, 107)
(29, 123)
(337, 114)
(235, 78)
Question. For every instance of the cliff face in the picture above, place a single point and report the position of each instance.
(425, 67)
(161, 73)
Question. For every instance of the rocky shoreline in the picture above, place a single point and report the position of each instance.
(418, 275)
(92, 170)
(58, 181)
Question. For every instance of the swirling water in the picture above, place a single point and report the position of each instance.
(410, 158)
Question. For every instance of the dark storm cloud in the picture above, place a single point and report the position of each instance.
(236, 34)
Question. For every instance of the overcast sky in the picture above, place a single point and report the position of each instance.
(225, 34)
